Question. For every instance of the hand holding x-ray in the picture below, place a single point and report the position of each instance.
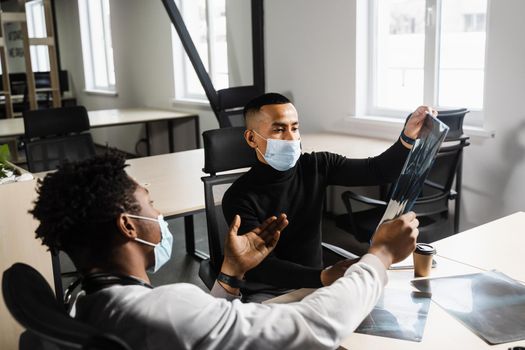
(416, 168)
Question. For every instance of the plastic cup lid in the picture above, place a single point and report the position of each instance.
(425, 249)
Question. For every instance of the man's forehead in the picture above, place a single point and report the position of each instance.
(141, 187)
(280, 113)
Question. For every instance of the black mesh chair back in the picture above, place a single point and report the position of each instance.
(231, 118)
(436, 191)
(454, 120)
(214, 189)
(32, 303)
(232, 102)
(224, 150)
(55, 135)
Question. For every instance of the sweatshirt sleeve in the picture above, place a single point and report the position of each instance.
(219, 292)
(196, 320)
(382, 169)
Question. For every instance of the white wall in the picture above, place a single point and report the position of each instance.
(239, 38)
(311, 53)
(311, 56)
(495, 168)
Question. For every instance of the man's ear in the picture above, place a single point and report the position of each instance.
(126, 226)
(249, 136)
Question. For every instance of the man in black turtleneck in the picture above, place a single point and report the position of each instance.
(286, 181)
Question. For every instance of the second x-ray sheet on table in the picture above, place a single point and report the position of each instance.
(416, 168)
(399, 314)
(490, 304)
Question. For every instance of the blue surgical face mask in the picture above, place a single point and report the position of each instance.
(162, 250)
(281, 154)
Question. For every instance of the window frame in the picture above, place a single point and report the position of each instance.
(430, 65)
(39, 54)
(86, 23)
(182, 65)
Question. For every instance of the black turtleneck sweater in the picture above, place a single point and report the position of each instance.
(296, 261)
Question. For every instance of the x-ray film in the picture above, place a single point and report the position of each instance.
(416, 168)
(399, 315)
(490, 304)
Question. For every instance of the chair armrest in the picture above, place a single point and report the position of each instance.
(347, 195)
(434, 185)
(452, 194)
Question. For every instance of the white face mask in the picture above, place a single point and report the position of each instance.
(281, 154)
(162, 250)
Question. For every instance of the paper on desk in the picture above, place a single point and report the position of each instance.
(11, 177)
(340, 251)
(406, 264)
(416, 168)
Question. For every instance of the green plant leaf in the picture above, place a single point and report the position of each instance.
(4, 153)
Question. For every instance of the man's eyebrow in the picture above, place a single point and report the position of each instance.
(284, 124)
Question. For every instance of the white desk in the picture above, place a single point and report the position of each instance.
(174, 180)
(11, 127)
(346, 145)
(442, 331)
(106, 117)
(18, 244)
(499, 245)
(112, 117)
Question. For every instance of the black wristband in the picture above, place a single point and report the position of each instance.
(231, 281)
(407, 139)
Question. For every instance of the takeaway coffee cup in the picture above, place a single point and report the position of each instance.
(423, 259)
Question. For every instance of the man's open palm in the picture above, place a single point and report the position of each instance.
(246, 251)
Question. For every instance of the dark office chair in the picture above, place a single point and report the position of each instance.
(232, 102)
(224, 149)
(32, 303)
(55, 135)
(432, 205)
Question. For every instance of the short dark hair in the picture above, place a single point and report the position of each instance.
(270, 98)
(78, 206)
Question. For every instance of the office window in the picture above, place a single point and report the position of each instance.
(474, 22)
(97, 50)
(430, 52)
(399, 54)
(36, 27)
(206, 23)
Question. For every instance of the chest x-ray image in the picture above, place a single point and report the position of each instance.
(416, 168)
